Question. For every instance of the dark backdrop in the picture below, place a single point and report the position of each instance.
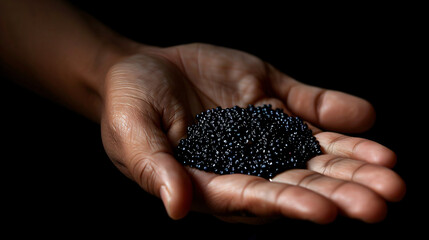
(57, 179)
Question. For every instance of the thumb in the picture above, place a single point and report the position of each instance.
(136, 96)
(140, 150)
(163, 176)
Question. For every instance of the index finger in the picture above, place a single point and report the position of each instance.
(329, 109)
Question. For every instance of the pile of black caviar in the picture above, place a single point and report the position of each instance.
(256, 141)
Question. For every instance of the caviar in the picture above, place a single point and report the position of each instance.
(256, 141)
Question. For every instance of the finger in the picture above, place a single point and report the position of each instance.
(135, 142)
(380, 179)
(237, 193)
(356, 148)
(161, 175)
(353, 200)
(331, 110)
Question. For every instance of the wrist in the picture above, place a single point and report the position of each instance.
(112, 50)
(109, 50)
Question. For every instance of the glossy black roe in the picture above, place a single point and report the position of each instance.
(256, 141)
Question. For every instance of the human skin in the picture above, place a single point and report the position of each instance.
(144, 97)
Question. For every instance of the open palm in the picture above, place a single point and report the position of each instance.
(151, 97)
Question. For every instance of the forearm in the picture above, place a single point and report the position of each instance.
(59, 52)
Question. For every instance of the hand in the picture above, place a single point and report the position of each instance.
(152, 96)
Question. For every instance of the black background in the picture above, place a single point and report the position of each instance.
(58, 181)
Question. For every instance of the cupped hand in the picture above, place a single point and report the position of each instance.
(151, 97)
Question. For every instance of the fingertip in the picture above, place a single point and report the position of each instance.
(329, 214)
(177, 207)
(386, 158)
(401, 189)
(377, 212)
(309, 205)
(342, 112)
(375, 153)
(321, 210)
(391, 186)
(358, 202)
(367, 117)
(163, 176)
(176, 194)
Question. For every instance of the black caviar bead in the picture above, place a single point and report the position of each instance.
(256, 141)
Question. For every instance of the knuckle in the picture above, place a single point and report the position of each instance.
(119, 124)
(144, 173)
(115, 127)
